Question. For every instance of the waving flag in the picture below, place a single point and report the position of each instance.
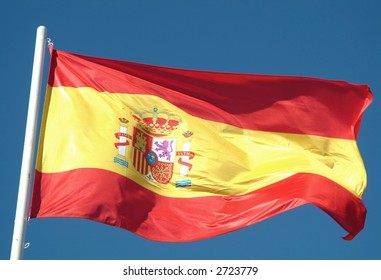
(181, 155)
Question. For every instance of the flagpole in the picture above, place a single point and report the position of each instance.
(22, 208)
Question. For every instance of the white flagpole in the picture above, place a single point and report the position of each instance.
(27, 165)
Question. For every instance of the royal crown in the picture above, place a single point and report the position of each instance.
(187, 134)
(157, 122)
(124, 120)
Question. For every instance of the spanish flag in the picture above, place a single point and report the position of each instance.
(182, 155)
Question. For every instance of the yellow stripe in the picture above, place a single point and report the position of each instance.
(228, 160)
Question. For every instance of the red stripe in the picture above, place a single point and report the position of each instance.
(140, 162)
(135, 158)
(145, 166)
(259, 102)
(115, 200)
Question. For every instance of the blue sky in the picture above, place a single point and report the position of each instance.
(339, 40)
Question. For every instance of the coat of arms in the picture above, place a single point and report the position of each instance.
(152, 149)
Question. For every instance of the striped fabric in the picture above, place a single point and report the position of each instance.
(181, 155)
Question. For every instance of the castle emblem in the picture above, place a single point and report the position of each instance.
(153, 149)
